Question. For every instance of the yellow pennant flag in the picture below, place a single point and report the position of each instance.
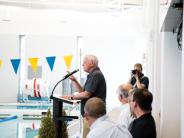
(1, 62)
(68, 60)
(34, 63)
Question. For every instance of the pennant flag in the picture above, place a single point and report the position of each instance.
(34, 63)
(50, 61)
(1, 62)
(68, 60)
(15, 64)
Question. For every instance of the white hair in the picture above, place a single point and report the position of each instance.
(93, 59)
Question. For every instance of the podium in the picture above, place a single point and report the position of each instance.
(57, 114)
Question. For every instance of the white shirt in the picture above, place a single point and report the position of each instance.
(103, 127)
(125, 117)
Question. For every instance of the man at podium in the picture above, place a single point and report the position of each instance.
(95, 85)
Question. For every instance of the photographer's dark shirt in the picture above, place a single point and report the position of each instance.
(143, 127)
(96, 85)
(143, 80)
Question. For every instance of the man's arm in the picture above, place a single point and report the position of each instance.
(76, 84)
(81, 95)
(139, 84)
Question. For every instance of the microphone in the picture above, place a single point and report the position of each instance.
(71, 73)
(65, 77)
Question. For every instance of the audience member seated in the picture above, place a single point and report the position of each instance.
(125, 117)
(100, 124)
(140, 106)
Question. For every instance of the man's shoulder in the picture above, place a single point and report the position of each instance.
(97, 74)
(104, 122)
(146, 120)
(97, 71)
(145, 77)
(102, 129)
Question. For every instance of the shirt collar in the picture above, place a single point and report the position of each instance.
(97, 68)
(143, 116)
(97, 121)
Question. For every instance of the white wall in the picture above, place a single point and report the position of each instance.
(152, 15)
(170, 87)
(165, 71)
(9, 48)
(117, 56)
(182, 94)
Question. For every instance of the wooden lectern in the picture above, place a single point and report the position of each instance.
(57, 114)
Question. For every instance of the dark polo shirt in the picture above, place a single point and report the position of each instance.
(143, 127)
(96, 85)
(143, 80)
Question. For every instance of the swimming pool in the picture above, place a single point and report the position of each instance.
(28, 119)
(19, 128)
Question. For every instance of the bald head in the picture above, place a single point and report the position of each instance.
(124, 89)
(95, 107)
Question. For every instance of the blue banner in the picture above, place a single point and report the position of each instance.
(51, 61)
(15, 64)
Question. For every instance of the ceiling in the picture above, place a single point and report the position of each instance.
(71, 4)
(128, 2)
(79, 5)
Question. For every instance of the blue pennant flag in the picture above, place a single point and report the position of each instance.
(50, 61)
(15, 64)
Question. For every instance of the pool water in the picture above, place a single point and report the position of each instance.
(26, 124)
(31, 133)
(19, 128)
(28, 120)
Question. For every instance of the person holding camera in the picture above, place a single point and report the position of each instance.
(137, 79)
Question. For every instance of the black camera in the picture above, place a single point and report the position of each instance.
(134, 71)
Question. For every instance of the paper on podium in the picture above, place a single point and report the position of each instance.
(67, 100)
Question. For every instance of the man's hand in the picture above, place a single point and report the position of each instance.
(72, 78)
(136, 75)
(69, 97)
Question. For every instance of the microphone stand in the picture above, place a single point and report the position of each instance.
(51, 96)
(65, 77)
(58, 108)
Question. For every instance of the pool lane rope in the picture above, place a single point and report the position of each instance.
(8, 118)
